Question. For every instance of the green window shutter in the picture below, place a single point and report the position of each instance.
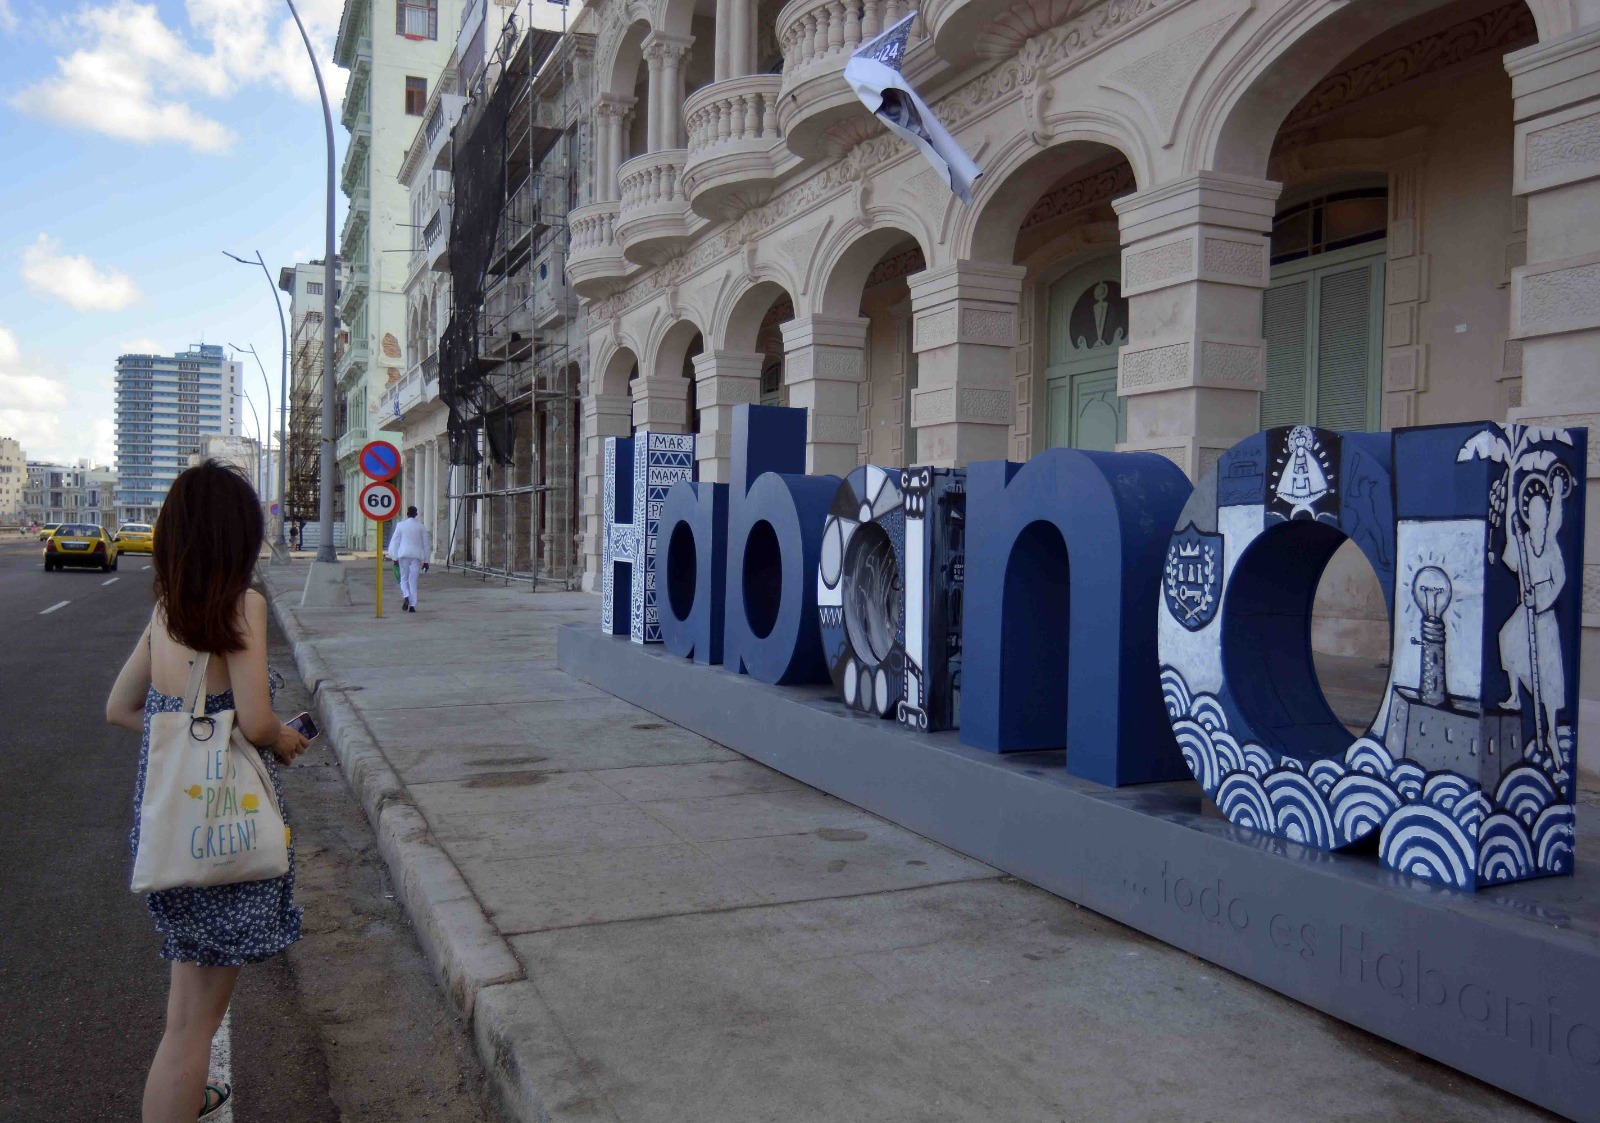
(1344, 347)
(1285, 310)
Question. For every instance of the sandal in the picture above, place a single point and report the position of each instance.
(216, 1095)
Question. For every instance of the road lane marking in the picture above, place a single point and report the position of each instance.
(146, 567)
(53, 607)
(109, 582)
(222, 1064)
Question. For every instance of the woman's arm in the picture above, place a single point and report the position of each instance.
(125, 707)
(252, 699)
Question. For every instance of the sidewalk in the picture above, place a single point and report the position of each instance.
(645, 927)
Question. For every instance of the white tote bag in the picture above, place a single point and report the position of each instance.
(210, 814)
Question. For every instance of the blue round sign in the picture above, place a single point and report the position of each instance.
(380, 460)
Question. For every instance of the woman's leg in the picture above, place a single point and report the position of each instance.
(196, 1002)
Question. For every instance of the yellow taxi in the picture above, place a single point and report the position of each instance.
(80, 544)
(135, 538)
(47, 530)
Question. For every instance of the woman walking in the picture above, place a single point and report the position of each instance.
(207, 540)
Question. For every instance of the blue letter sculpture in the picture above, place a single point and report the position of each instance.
(639, 470)
(775, 520)
(1467, 773)
(934, 565)
(692, 569)
(860, 590)
(1064, 557)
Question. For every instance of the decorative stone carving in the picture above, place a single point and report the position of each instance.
(1558, 299)
(1497, 32)
(987, 325)
(1098, 187)
(1158, 263)
(1160, 81)
(1153, 367)
(974, 404)
(936, 329)
(1234, 259)
(893, 268)
(1053, 31)
(1237, 363)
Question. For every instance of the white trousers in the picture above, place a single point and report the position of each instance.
(409, 568)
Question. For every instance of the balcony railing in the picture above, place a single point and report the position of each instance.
(652, 222)
(595, 262)
(436, 129)
(817, 37)
(350, 443)
(436, 235)
(733, 141)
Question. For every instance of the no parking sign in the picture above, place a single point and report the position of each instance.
(380, 460)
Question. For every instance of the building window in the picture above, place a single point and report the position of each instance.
(416, 96)
(313, 288)
(1330, 222)
(417, 19)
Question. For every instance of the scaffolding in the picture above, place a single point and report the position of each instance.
(506, 370)
(305, 419)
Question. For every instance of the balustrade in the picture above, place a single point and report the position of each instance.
(734, 139)
(652, 219)
(817, 37)
(595, 261)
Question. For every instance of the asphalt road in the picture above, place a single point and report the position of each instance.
(347, 1026)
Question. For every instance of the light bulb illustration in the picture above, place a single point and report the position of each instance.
(1432, 591)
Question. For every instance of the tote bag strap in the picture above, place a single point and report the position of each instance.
(194, 694)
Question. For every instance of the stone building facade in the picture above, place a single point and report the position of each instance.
(1197, 218)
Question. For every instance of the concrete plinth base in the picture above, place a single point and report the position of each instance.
(325, 586)
(1502, 984)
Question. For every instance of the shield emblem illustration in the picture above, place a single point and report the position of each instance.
(1192, 580)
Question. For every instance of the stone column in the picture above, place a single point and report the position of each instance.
(661, 403)
(964, 329)
(1555, 297)
(723, 379)
(613, 113)
(824, 365)
(1194, 265)
(665, 56)
(604, 415)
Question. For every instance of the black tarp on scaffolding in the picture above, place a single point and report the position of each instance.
(481, 143)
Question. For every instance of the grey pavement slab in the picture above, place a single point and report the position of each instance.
(706, 940)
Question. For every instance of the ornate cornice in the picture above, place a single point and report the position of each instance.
(1496, 31)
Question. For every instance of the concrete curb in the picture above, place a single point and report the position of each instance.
(465, 949)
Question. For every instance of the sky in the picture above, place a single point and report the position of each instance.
(145, 138)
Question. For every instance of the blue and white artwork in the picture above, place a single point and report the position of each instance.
(861, 590)
(1466, 774)
(639, 471)
(934, 568)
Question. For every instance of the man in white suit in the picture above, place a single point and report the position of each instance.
(408, 547)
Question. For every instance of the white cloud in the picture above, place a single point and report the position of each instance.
(142, 346)
(9, 351)
(8, 18)
(136, 77)
(49, 413)
(75, 279)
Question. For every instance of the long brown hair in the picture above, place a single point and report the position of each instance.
(207, 539)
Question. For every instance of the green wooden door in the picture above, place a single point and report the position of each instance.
(1088, 323)
(1323, 322)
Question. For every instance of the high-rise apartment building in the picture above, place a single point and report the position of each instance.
(13, 481)
(165, 404)
(305, 282)
(395, 53)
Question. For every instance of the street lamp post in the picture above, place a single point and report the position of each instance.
(325, 551)
(283, 393)
(257, 416)
(267, 447)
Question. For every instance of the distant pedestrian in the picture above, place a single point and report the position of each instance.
(207, 539)
(408, 546)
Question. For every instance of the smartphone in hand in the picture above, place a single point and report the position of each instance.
(304, 724)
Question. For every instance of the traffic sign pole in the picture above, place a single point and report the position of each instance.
(380, 502)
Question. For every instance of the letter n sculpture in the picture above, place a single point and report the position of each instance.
(639, 471)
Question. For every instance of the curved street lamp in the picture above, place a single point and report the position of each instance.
(283, 388)
(267, 445)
